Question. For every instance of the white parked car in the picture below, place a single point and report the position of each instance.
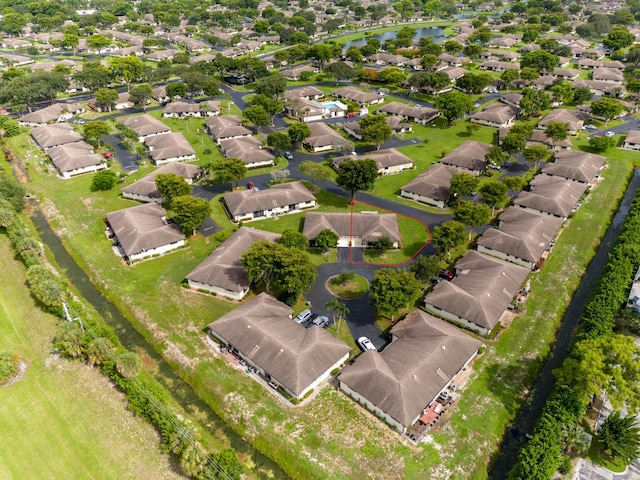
(303, 316)
(609, 134)
(365, 344)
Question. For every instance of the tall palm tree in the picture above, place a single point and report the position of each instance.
(338, 310)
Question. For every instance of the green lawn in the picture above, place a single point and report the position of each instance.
(63, 419)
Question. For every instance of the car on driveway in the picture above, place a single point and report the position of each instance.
(288, 155)
(108, 155)
(589, 127)
(303, 316)
(446, 274)
(366, 344)
(321, 321)
(609, 134)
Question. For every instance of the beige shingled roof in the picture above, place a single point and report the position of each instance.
(402, 380)
(143, 228)
(369, 226)
(434, 183)
(522, 233)
(263, 332)
(470, 155)
(74, 156)
(481, 291)
(248, 201)
(551, 194)
(223, 267)
(54, 135)
(247, 149)
(385, 158)
(144, 125)
(226, 126)
(575, 165)
(171, 145)
(146, 186)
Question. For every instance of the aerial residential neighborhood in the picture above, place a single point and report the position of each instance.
(314, 239)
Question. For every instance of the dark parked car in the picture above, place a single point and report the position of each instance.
(446, 274)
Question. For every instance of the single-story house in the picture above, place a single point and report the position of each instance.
(452, 60)
(423, 359)
(145, 126)
(58, 112)
(281, 199)
(54, 135)
(521, 238)
(123, 101)
(569, 74)
(512, 99)
(263, 334)
(575, 165)
(143, 231)
(470, 157)
(431, 187)
(589, 63)
(309, 92)
(172, 147)
(608, 75)
(247, 149)
(479, 294)
(355, 95)
(225, 127)
(388, 160)
(551, 195)
(388, 59)
(222, 272)
(160, 94)
(161, 55)
(496, 115)
(574, 123)
(322, 138)
(353, 229)
(632, 140)
(538, 137)
(75, 158)
(614, 90)
(145, 189)
(185, 110)
(294, 73)
(422, 115)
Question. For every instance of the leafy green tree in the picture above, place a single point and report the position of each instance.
(620, 437)
(425, 268)
(9, 365)
(279, 141)
(514, 184)
(189, 212)
(509, 76)
(35, 87)
(610, 363)
(256, 115)
(128, 364)
(375, 129)
(356, 175)
(298, 132)
(514, 142)
(227, 460)
(462, 184)
(472, 83)
(141, 94)
(176, 90)
(340, 70)
(381, 245)
(104, 180)
(327, 239)
(540, 457)
(99, 350)
(471, 215)
(272, 86)
(338, 310)
(393, 290)
(211, 87)
(13, 193)
(127, 68)
(496, 156)
(294, 239)
(453, 105)
(536, 154)
(618, 38)
(106, 97)
(228, 170)
(448, 235)
(534, 102)
(556, 131)
(494, 193)
(270, 105)
(602, 143)
(45, 288)
(94, 131)
(316, 171)
(607, 108)
(288, 269)
(170, 186)
(582, 95)
(69, 339)
(539, 60)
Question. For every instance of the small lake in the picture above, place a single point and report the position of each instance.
(436, 33)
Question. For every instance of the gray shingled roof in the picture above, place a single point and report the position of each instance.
(251, 200)
(144, 125)
(410, 372)
(388, 157)
(522, 233)
(143, 228)
(55, 134)
(369, 226)
(551, 194)
(247, 149)
(575, 165)
(146, 186)
(170, 145)
(223, 267)
(434, 183)
(481, 291)
(226, 126)
(73, 156)
(263, 332)
(470, 155)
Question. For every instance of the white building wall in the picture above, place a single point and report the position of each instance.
(80, 171)
(184, 158)
(156, 251)
(505, 256)
(372, 408)
(141, 198)
(218, 291)
(454, 318)
(422, 199)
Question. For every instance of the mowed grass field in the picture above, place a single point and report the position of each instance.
(63, 419)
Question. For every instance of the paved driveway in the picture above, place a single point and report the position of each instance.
(128, 161)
